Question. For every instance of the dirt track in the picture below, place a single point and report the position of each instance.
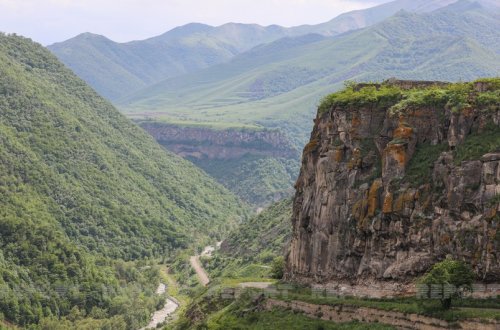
(202, 275)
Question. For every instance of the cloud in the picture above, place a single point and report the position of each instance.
(48, 21)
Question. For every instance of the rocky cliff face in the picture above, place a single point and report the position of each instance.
(207, 143)
(396, 177)
(258, 165)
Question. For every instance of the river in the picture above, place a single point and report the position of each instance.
(161, 315)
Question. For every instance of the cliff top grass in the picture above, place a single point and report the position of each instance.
(399, 95)
(213, 125)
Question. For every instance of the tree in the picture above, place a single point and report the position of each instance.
(448, 279)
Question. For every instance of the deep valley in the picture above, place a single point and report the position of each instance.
(337, 175)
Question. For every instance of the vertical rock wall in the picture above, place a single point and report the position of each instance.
(361, 211)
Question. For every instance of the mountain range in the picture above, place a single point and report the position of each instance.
(117, 69)
(277, 82)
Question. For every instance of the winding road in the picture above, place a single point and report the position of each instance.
(196, 264)
(203, 276)
(198, 268)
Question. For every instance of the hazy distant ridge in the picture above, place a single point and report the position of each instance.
(117, 69)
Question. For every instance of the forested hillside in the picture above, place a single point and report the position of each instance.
(81, 186)
(258, 180)
(118, 69)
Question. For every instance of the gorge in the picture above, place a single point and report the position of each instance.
(205, 178)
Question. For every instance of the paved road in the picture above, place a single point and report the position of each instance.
(202, 274)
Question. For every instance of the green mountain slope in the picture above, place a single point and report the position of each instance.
(117, 69)
(265, 233)
(80, 184)
(275, 84)
(358, 19)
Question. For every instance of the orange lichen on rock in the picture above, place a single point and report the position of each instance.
(409, 196)
(491, 213)
(489, 247)
(492, 232)
(468, 111)
(398, 153)
(355, 123)
(387, 206)
(477, 256)
(426, 203)
(373, 197)
(359, 212)
(311, 146)
(417, 195)
(403, 131)
(419, 113)
(339, 154)
(445, 239)
(405, 197)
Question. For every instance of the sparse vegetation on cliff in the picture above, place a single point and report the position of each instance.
(420, 166)
(257, 180)
(371, 95)
(454, 96)
(478, 144)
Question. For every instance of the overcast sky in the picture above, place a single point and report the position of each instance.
(49, 21)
